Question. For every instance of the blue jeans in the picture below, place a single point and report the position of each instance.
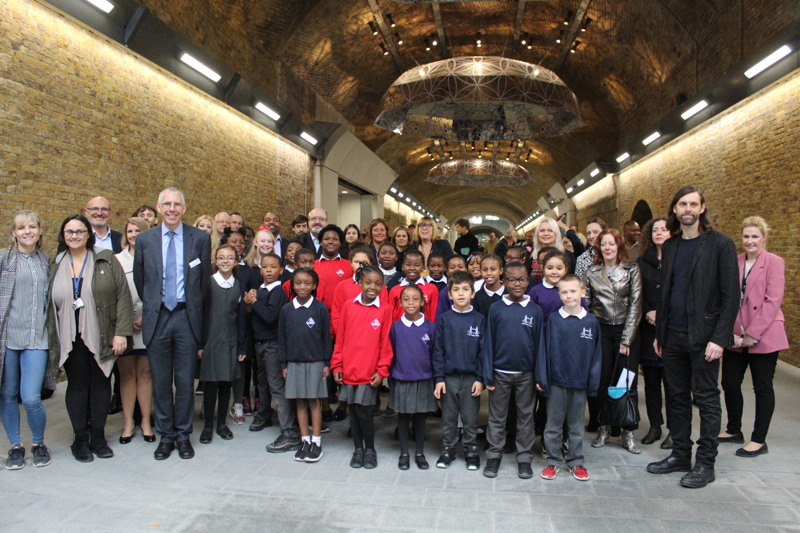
(23, 374)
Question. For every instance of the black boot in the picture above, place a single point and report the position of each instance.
(80, 448)
(653, 435)
(99, 446)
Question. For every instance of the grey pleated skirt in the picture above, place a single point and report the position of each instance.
(305, 380)
(412, 396)
(358, 394)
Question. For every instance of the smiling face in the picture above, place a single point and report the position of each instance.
(148, 215)
(351, 235)
(236, 221)
(456, 263)
(753, 240)
(401, 239)
(425, 231)
(98, 211)
(371, 284)
(221, 222)
(516, 282)
(609, 249)
(302, 285)
(491, 271)
(26, 234)
(436, 267)
(547, 235)
(412, 266)
(237, 241)
(411, 302)
(76, 235)
(554, 270)
(318, 219)
(264, 242)
(387, 257)
(171, 208)
(593, 229)
(474, 267)
(205, 225)
(225, 260)
(379, 234)
(131, 231)
(330, 243)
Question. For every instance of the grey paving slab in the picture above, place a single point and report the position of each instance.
(237, 486)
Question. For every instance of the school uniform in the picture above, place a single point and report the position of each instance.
(226, 331)
(412, 372)
(457, 364)
(388, 275)
(331, 271)
(304, 348)
(395, 280)
(546, 296)
(568, 371)
(345, 292)
(440, 284)
(363, 333)
(322, 290)
(484, 298)
(513, 341)
(429, 293)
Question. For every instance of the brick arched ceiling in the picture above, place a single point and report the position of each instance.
(634, 58)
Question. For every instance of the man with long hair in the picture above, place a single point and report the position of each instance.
(698, 304)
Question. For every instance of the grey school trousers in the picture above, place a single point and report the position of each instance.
(458, 400)
(270, 380)
(570, 405)
(525, 395)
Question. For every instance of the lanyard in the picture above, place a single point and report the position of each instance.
(76, 282)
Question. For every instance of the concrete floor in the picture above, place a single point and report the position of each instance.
(237, 486)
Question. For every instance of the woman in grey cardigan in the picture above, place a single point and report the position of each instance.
(24, 271)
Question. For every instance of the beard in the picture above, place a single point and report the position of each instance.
(689, 219)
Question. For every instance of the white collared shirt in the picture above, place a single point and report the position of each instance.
(524, 302)
(429, 279)
(499, 291)
(298, 305)
(103, 242)
(222, 282)
(453, 308)
(477, 284)
(418, 322)
(271, 285)
(376, 302)
(323, 258)
(420, 281)
(564, 314)
(547, 285)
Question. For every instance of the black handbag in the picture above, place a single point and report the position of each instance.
(620, 406)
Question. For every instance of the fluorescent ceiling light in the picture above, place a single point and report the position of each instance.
(400, 195)
(580, 182)
(695, 109)
(768, 61)
(476, 220)
(201, 68)
(267, 111)
(393, 190)
(650, 138)
(414, 204)
(623, 157)
(308, 137)
(594, 173)
(569, 190)
(492, 217)
(105, 6)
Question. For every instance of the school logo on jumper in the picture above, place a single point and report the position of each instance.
(586, 333)
(310, 322)
(527, 321)
(426, 339)
(375, 324)
(473, 332)
(340, 272)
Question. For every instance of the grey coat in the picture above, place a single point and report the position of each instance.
(8, 276)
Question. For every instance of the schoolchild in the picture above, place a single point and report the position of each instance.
(305, 258)
(361, 359)
(289, 265)
(568, 371)
(492, 289)
(474, 268)
(513, 340)
(331, 267)
(412, 270)
(304, 348)
(454, 263)
(457, 372)
(412, 339)
(436, 269)
(225, 348)
(387, 262)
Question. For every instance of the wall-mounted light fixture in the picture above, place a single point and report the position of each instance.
(308, 138)
(390, 20)
(267, 111)
(586, 23)
(200, 67)
(102, 5)
(478, 40)
(373, 27)
(650, 138)
(695, 109)
(768, 61)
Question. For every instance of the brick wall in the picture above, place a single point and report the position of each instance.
(746, 162)
(80, 116)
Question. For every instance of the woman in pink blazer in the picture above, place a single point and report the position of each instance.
(758, 336)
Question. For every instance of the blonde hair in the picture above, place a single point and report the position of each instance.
(559, 243)
(757, 222)
(253, 258)
(26, 215)
(140, 223)
(434, 234)
(201, 218)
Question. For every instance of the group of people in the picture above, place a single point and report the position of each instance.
(546, 326)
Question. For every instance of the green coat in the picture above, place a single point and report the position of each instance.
(112, 298)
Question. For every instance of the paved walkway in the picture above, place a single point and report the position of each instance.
(236, 486)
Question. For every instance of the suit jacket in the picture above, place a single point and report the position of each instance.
(713, 296)
(148, 272)
(760, 314)
(306, 241)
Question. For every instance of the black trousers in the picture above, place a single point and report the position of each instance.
(610, 337)
(689, 376)
(762, 369)
(88, 390)
(654, 376)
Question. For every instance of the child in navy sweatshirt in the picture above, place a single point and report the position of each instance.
(545, 294)
(457, 371)
(566, 372)
(267, 306)
(412, 339)
(492, 289)
(304, 348)
(454, 263)
(513, 341)
(436, 267)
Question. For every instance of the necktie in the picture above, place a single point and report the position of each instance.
(171, 275)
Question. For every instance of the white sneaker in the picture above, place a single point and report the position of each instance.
(238, 414)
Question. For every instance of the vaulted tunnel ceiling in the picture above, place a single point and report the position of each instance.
(634, 58)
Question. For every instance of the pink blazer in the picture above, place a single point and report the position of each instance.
(760, 314)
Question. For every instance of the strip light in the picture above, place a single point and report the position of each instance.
(201, 68)
(768, 61)
(102, 5)
(593, 173)
(695, 109)
(623, 157)
(267, 111)
(650, 138)
(580, 182)
(308, 138)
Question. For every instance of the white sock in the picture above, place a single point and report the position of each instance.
(317, 440)
(307, 439)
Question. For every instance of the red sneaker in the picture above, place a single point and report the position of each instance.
(550, 472)
(580, 473)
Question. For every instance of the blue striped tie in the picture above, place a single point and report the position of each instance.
(171, 275)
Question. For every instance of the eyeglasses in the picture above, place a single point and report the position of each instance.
(516, 281)
(99, 209)
(226, 258)
(362, 264)
(171, 205)
(425, 225)
(75, 232)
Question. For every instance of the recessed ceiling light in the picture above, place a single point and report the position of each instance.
(768, 61)
(593, 173)
(569, 190)
(308, 138)
(692, 111)
(200, 67)
(580, 182)
(267, 111)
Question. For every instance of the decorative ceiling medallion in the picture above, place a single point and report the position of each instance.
(479, 173)
(479, 98)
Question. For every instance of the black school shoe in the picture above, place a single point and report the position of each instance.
(404, 462)
(422, 463)
(224, 432)
(741, 452)
(491, 468)
(698, 477)
(357, 460)
(447, 458)
(524, 471)
(370, 459)
(206, 435)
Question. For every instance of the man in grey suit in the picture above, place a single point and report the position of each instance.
(171, 270)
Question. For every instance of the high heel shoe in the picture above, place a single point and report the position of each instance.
(149, 438)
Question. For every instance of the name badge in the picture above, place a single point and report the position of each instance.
(77, 304)
(194, 263)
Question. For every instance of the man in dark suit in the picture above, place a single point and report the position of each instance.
(698, 303)
(98, 211)
(317, 219)
(273, 221)
(171, 270)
